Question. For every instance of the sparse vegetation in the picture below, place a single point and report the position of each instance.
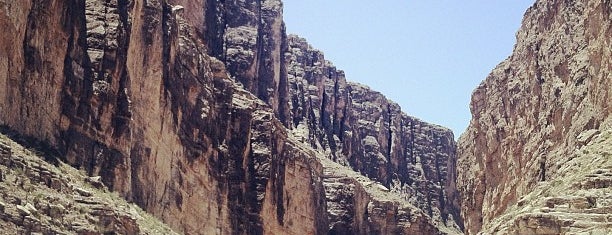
(61, 210)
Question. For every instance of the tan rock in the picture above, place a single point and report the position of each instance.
(534, 118)
(56, 210)
(23, 211)
(83, 192)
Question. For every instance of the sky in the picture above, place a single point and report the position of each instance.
(427, 56)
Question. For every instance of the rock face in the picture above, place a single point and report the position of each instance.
(531, 117)
(208, 116)
(126, 90)
(360, 128)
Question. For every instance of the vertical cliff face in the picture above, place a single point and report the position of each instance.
(249, 37)
(208, 116)
(534, 113)
(348, 122)
(126, 90)
(360, 128)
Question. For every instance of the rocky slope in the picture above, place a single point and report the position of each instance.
(40, 197)
(197, 111)
(532, 117)
(577, 201)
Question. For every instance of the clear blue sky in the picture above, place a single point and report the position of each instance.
(428, 56)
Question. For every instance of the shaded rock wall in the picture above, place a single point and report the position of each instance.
(249, 37)
(529, 112)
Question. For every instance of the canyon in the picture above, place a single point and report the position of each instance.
(213, 120)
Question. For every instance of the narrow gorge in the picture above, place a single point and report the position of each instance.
(212, 119)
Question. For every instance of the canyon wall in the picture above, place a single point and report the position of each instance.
(125, 90)
(360, 128)
(207, 115)
(531, 118)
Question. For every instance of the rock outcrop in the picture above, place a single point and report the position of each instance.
(530, 119)
(40, 197)
(359, 205)
(197, 112)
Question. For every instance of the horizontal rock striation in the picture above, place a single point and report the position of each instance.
(528, 116)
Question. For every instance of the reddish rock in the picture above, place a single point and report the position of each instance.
(199, 114)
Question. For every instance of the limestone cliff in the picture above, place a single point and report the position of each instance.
(531, 118)
(190, 110)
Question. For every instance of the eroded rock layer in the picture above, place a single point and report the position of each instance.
(535, 110)
(189, 109)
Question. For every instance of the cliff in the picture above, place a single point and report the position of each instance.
(124, 90)
(360, 128)
(206, 115)
(347, 122)
(528, 162)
